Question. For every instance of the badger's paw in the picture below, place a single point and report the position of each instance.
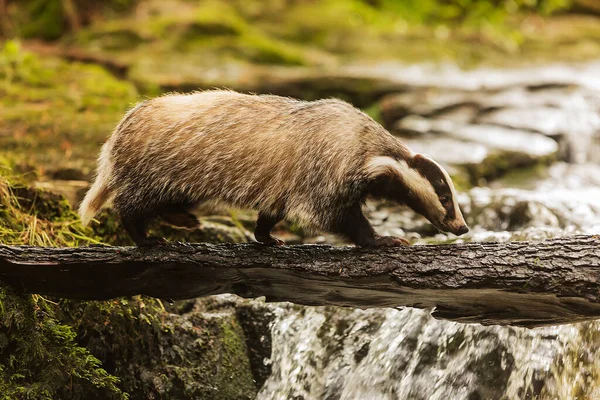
(390, 241)
(152, 241)
(270, 241)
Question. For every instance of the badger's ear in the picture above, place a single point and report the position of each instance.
(419, 160)
(383, 175)
(425, 166)
(382, 166)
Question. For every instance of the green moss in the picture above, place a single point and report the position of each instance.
(219, 18)
(374, 111)
(264, 50)
(496, 164)
(460, 180)
(330, 23)
(233, 356)
(57, 114)
(39, 357)
(219, 27)
(45, 19)
(51, 19)
(524, 177)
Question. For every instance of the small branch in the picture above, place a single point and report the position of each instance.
(518, 283)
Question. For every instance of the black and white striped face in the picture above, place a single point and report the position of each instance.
(420, 183)
(432, 195)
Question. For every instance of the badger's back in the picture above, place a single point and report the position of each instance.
(270, 153)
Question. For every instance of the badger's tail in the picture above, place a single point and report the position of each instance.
(99, 193)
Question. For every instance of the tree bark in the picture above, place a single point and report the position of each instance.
(519, 283)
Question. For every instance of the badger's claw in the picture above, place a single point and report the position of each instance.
(390, 241)
(152, 241)
(270, 241)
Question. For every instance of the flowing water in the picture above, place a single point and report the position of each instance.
(400, 354)
(336, 353)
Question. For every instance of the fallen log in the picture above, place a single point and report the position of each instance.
(518, 283)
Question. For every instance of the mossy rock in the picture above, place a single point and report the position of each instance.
(360, 91)
(256, 320)
(118, 349)
(161, 355)
(524, 178)
(37, 217)
(498, 163)
(45, 205)
(121, 39)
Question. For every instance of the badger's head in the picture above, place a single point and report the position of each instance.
(423, 185)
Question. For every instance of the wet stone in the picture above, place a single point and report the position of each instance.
(550, 121)
(462, 113)
(448, 151)
(400, 221)
(486, 151)
(411, 126)
(466, 105)
(570, 177)
(424, 102)
(502, 117)
(499, 138)
(513, 209)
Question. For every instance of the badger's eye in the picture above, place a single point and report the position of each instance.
(445, 200)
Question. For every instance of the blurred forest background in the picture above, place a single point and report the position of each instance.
(69, 69)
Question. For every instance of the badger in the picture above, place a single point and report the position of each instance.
(314, 163)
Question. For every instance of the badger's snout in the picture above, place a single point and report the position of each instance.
(461, 230)
(456, 227)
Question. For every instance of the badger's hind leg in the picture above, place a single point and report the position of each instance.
(136, 225)
(264, 224)
(136, 222)
(135, 214)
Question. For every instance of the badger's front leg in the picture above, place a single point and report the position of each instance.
(264, 224)
(352, 224)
